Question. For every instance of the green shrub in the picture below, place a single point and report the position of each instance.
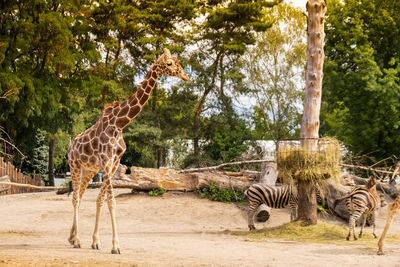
(215, 193)
(157, 191)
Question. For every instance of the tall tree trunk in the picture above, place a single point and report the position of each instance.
(312, 102)
(199, 109)
(51, 161)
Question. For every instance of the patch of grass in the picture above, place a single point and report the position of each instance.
(323, 232)
(157, 191)
(215, 193)
(18, 235)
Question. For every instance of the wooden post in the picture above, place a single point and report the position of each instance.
(316, 9)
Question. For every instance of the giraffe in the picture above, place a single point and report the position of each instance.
(393, 209)
(101, 147)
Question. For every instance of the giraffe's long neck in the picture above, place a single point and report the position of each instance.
(132, 106)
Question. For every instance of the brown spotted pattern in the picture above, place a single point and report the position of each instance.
(101, 147)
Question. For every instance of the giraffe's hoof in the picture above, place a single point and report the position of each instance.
(115, 251)
(380, 252)
(75, 242)
(251, 227)
(375, 236)
(95, 246)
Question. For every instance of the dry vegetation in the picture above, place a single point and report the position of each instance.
(323, 232)
(296, 163)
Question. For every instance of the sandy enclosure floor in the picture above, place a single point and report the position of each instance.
(172, 230)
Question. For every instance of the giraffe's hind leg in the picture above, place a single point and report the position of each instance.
(75, 177)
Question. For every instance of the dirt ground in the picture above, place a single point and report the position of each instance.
(171, 230)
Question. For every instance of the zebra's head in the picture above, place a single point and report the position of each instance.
(371, 182)
(293, 192)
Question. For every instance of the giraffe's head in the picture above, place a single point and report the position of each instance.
(170, 66)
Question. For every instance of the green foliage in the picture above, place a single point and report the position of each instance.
(227, 138)
(221, 39)
(40, 155)
(215, 193)
(361, 76)
(157, 191)
(275, 69)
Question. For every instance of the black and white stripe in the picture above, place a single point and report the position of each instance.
(361, 201)
(273, 197)
(276, 198)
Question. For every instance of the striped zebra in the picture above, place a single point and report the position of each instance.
(275, 197)
(361, 201)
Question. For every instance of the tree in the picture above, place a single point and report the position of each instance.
(274, 67)
(142, 29)
(46, 49)
(307, 209)
(361, 76)
(229, 27)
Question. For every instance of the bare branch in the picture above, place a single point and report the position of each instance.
(224, 165)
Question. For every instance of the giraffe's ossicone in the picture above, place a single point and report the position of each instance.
(101, 147)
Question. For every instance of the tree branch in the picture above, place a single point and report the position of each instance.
(224, 165)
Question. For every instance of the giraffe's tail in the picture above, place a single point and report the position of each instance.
(70, 188)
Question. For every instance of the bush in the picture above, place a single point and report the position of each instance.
(157, 191)
(215, 193)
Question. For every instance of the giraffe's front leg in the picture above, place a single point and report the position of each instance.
(99, 205)
(109, 170)
(111, 206)
(76, 178)
(73, 237)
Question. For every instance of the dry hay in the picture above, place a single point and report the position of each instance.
(322, 232)
(295, 162)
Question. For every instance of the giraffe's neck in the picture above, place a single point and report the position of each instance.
(132, 106)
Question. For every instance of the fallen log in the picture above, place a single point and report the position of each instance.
(5, 183)
(146, 179)
(4, 187)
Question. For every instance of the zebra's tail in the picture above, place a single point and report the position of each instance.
(340, 199)
(245, 195)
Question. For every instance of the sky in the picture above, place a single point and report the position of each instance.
(298, 3)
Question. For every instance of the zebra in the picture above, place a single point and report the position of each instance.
(361, 201)
(273, 197)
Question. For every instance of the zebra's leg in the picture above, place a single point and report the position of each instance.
(253, 205)
(293, 214)
(374, 214)
(363, 224)
(352, 222)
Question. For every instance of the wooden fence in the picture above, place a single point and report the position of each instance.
(17, 176)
